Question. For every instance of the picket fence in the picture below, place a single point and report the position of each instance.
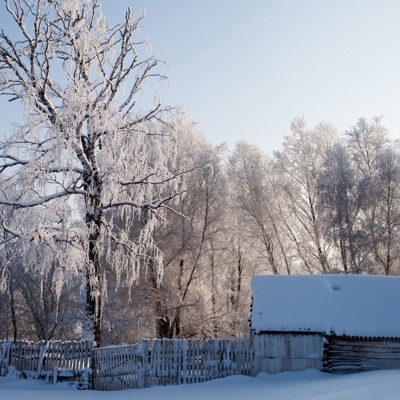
(161, 362)
(52, 361)
(170, 362)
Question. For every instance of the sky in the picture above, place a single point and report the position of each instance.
(245, 69)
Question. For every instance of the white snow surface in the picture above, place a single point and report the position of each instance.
(305, 385)
(353, 305)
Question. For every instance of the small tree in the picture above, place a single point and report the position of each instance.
(85, 154)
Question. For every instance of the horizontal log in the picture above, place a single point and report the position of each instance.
(361, 355)
(394, 350)
(377, 343)
(362, 366)
(371, 348)
(363, 363)
(343, 356)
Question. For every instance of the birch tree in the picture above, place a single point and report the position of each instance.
(298, 165)
(85, 153)
(377, 160)
(343, 194)
(252, 198)
(386, 193)
(190, 241)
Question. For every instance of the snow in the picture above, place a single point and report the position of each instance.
(307, 385)
(353, 305)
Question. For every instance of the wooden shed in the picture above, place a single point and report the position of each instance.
(335, 323)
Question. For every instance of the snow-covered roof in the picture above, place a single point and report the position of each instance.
(352, 305)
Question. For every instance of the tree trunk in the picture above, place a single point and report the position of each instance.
(213, 299)
(176, 324)
(13, 314)
(94, 286)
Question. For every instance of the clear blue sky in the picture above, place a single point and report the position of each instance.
(245, 69)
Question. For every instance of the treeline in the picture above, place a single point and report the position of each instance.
(328, 202)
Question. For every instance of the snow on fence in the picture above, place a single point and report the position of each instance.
(4, 356)
(120, 367)
(51, 360)
(170, 362)
(164, 362)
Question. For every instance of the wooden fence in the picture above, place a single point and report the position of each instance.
(170, 362)
(164, 362)
(180, 361)
(49, 360)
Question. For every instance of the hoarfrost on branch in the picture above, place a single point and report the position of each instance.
(85, 156)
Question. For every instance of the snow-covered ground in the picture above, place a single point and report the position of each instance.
(307, 385)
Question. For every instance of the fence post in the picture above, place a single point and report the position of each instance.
(42, 354)
(5, 355)
(143, 365)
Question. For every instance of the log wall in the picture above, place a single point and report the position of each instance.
(347, 354)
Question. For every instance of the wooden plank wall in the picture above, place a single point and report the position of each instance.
(278, 352)
(170, 362)
(344, 355)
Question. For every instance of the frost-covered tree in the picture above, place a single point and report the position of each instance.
(191, 299)
(376, 159)
(85, 154)
(298, 165)
(190, 240)
(254, 201)
(366, 141)
(385, 195)
(343, 194)
(34, 310)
